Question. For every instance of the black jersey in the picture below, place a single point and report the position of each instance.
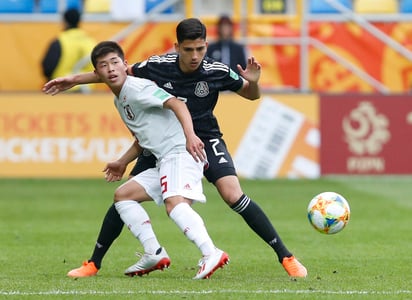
(199, 89)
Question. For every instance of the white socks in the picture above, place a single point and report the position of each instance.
(138, 222)
(191, 224)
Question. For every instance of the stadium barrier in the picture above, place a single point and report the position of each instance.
(280, 135)
(75, 135)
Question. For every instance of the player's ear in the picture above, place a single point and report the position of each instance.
(177, 47)
(96, 73)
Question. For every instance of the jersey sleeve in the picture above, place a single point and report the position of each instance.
(233, 81)
(152, 95)
(139, 69)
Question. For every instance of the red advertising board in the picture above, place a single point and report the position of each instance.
(366, 134)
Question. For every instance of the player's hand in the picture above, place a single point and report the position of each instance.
(252, 71)
(195, 147)
(114, 171)
(61, 84)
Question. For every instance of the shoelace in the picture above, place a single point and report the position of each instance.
(139, 254)
(202, 261)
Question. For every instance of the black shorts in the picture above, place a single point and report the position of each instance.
(220, 161)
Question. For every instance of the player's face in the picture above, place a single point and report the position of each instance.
(112, 70)
(191, 54)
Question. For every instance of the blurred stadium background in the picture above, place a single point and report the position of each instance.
(336, 77)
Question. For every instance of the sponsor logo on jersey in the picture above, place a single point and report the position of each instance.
(201, 89)
(222, 160)
(168, 85)
(187, 187)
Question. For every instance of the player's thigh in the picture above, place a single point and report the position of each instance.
(131, 190)
(149, 180)
(144, 186)
(220, 161)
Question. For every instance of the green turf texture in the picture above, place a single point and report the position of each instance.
(48, 227)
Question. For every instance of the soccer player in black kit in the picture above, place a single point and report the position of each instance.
(197, 80)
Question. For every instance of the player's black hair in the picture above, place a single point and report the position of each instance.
(190, 29)
(102, 48)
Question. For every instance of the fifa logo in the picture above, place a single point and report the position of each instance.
(366, 132)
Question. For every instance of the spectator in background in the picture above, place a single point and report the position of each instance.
(225, 49)
(69, 52)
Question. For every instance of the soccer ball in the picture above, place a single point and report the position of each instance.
(328, 212)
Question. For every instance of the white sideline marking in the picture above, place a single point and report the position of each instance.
(353, 292)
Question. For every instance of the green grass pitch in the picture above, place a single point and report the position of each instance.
(48, 227)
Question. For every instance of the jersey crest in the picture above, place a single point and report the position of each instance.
(201, 89)
(129, 112)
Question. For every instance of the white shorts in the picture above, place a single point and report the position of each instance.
(175, 174)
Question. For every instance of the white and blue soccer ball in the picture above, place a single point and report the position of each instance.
(328, 212)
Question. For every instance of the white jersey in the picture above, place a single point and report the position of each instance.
(140, 104)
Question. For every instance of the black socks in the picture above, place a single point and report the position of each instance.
(109, 231)
(259, 222)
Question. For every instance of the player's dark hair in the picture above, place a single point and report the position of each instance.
(224, 19)
(72, 17)
(190, 29)
(102, 48)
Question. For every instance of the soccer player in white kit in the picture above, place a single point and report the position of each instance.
(162, 124)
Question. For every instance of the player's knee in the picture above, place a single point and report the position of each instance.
(231, 199)
(121, 194)
(231, 193)
(172, 202)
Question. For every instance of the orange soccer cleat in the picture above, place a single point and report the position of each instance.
(294, 267)
(86, 270)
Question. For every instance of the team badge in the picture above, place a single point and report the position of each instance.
(202, 89)
(129, 112)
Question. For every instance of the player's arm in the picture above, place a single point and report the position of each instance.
(114, 170)
(62, 84)
(250, 88)
(194, 144)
